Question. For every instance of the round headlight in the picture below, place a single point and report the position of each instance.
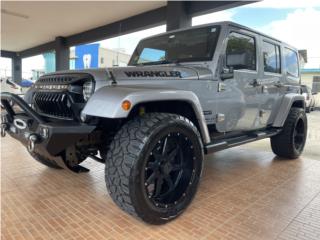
(88, 88)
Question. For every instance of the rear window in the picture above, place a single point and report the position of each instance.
(291, 62)
(271, 57)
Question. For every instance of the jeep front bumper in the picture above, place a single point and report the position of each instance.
(48, 139)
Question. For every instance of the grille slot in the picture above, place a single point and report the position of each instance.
(63, 78)
(54, 104)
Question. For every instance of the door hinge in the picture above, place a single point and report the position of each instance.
(221, 87)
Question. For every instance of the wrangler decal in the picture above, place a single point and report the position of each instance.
(173, 74)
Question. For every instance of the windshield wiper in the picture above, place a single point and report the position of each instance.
(175, 61)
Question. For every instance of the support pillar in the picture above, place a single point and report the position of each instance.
(177, 15)
(62, 54)
(16, 69)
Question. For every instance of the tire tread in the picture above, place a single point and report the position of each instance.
(124, 151)
(282, 143)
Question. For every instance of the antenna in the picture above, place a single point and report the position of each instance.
(118, 51)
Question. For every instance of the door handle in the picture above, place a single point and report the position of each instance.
(255, 83)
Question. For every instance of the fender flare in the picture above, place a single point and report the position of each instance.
(106, 102)
(287, 101)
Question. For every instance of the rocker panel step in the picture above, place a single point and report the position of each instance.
(222, 144)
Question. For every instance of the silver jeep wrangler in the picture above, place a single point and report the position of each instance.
(184, 94)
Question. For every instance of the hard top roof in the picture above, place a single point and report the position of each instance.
(224, 24)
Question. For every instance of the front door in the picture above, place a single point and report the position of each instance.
(238, 96)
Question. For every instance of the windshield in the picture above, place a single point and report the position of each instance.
(185, 46)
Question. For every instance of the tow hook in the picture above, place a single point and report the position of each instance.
(4, 128)
(31, 142)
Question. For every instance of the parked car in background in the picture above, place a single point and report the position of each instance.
(309, 98)
(26, 83)
(7, 85)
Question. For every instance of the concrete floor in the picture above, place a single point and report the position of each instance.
(245, 193)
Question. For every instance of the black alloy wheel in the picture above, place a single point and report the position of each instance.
(154, 165)
(299, 135)
(169, 170)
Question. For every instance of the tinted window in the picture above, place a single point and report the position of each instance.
(241, 52)
(190, 45)
(271, 57)
(151, 55)
(291, 62)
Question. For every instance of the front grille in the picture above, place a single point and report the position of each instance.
(56, 104)
(60, 95)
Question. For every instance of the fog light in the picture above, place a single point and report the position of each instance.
(126, 105)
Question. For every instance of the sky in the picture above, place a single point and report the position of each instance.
(296, 22)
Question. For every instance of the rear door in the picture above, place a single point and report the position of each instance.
(271, 79)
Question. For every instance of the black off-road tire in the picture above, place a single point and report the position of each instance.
(283, 144)
(45, 161)
(125, 165)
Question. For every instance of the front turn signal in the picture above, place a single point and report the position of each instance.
(126, 105)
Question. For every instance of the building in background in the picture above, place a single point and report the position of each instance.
(303, 57)
(36, 74)
(94, 56)
(49, 62)
(311, 78)
(87, 56)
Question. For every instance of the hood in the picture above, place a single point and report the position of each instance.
(155, 72)
(160, 73)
